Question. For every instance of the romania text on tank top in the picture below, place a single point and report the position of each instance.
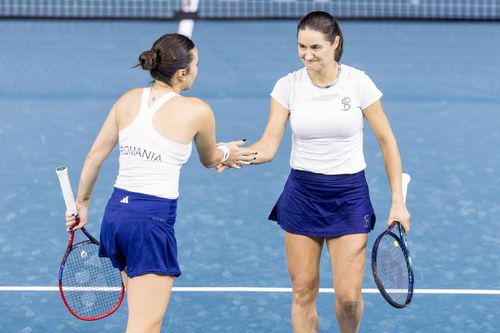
(149, 162)
(327, 123)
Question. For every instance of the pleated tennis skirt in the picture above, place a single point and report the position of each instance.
(137, 234)
(313, 204)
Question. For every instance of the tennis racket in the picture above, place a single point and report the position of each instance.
(391, 262)
(90, 287)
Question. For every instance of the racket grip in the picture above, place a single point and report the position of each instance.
(405, 180)
(69, 199)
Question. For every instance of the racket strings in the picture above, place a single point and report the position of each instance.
(392, 269)
(91, 285)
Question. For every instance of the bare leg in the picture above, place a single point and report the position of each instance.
(303, 256)
(347, 254)
(124, 278)
(147, 298)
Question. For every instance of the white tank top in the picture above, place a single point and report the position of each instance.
(149, 162)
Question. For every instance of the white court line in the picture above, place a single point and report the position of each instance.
(276, 290)
(186, 26)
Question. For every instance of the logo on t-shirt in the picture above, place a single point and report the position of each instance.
(345, 103)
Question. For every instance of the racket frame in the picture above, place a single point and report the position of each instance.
(401, 239)
(62, 173)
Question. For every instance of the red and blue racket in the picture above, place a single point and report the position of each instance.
(90, 287)
(391, 262)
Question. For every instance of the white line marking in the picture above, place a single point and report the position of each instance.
(186, 26)
(92, 288)
(270, 290)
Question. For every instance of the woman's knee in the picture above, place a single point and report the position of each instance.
(304, 291)
(349, 302)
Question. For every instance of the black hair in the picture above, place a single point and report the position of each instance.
(325, 23)
(168, 54)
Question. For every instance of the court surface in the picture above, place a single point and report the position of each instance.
(441, 93)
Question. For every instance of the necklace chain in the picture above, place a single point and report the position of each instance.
(339, 70)
(153, 88)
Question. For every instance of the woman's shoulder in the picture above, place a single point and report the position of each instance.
(191, 105)
(292, 78)
(135, 94)
(351, 71)
(130, 96)
(194, 103)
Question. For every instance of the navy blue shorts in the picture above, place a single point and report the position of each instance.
(137, 233)
(321, 205)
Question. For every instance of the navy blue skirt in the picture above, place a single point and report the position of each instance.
(321, 205)
(137, 233)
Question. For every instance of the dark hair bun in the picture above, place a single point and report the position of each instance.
(168, 54)
(147, 60)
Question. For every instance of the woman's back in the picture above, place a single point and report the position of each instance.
(154, 128)
(155, 136)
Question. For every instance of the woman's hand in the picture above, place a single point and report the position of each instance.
(238, 156)
(71, 221)
(221, 167)
(399, 213)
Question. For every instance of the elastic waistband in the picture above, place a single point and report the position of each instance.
(311, 177)
(118, 192)
(142, 201)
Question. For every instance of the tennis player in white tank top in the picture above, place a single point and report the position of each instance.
(154, 127)
(149, 161)
(326, 103)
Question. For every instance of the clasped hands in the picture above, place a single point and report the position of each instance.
(238, 157)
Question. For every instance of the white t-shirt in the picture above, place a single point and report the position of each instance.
(327, 123)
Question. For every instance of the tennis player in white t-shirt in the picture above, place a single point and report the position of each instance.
(326, 198)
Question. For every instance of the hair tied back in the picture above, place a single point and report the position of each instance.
(148, 59)
(172, 54)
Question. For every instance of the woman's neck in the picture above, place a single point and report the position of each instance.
(163, 87)
(325, 77)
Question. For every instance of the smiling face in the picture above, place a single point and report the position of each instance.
(315, 50)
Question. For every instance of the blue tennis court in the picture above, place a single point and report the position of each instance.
(441, 93)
